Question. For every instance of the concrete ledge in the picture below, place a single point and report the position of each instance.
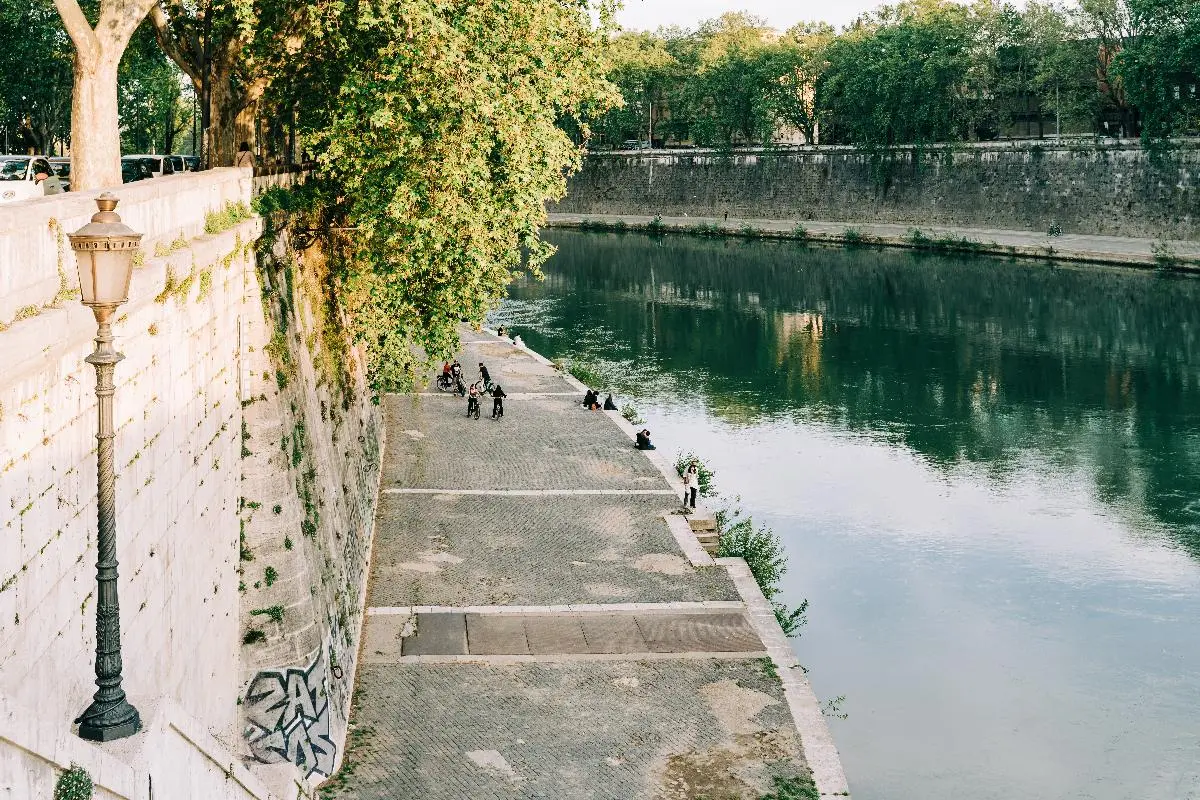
(574, 608)
(819, 750)
(1072, 248)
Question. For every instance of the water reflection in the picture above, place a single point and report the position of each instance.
(985, 363)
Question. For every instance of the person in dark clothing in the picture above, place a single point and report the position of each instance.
(484, 375)
(590, 399)
(609, 405)
(498, 396)
(643, 440)
(473, 403)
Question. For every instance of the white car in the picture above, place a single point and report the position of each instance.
(159, 165)
(18, 177)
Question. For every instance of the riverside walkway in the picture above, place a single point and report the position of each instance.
(542, 622)
(1115, 250)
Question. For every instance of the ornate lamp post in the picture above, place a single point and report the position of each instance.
(104, 250)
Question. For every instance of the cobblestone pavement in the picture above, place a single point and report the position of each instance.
(616, 730)
(473, 550)
(541, 443)
(623, 701)
(509, 366)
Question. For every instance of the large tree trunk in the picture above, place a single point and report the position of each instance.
(95, 128)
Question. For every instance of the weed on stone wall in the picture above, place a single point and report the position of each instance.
(762, 550)
(793, 787)
(631, 415)
(74, 784)
(274, 613)
(232, 214)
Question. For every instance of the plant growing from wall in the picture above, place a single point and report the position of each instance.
(274, 613)
(74, 784)
(763, 552)
(631, 415)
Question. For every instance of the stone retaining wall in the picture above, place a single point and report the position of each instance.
(196, 397)
(1094, 189)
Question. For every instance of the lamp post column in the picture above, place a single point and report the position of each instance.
(104, 251)
(110, 716)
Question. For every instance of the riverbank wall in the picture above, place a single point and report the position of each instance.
(245, 489)
(1092, 189)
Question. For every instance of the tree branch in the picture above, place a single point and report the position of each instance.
(166, 40)
(87, 45)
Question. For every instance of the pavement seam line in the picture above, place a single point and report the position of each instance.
(532, 492)
(576, 608)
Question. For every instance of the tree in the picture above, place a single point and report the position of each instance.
(35, 95)
(150, 96)
(436, 128)
(95, 126)
(900, 76)
(1160, 68)
(796, 64)
(232, 52)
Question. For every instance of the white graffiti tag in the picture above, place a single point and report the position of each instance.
(288, 715)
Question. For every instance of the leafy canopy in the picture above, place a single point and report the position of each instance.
(437, 129)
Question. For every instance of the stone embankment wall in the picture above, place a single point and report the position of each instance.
(190, 390)
(1110, 189)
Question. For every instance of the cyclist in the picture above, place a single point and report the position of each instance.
(473, 402)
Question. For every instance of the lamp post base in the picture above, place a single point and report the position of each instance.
(109, 724)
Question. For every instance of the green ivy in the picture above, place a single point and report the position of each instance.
(74, 784)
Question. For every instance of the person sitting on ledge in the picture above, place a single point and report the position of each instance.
(643, 440)
(590, 399)
(609, 405)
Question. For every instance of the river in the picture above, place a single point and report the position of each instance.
(986, 475)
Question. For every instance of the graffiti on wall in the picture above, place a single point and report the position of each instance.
(288, 715)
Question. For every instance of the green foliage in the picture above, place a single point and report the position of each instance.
(793, 787)
(275, 613)
(683, 460)
(631, 415)
(230, 214)
(762, 550)
(253, 636)
(270, 576)
(74, 784)
(35, 95)
(1159, 67)
(437, 132)
(853, 237)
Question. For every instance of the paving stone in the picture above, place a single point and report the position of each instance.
(471, 550)
(542, 443)
(496, 635)
(698, 633)
(555, 634)
(611, 730)
(612, 633)
(438, 634)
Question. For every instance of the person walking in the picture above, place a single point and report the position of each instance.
(498, 396)
(484, 376)
(691, 485)
(244, 158)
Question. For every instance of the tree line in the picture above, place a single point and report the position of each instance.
(36, 90)
(915, 72)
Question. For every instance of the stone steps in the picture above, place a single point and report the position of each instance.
(704, 525)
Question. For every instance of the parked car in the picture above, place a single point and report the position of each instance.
(177, 163)
(18, 177)
(193, 163)
(135, 168)
(159, 165)
(62, 168)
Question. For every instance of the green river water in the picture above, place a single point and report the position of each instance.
(986, 474)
